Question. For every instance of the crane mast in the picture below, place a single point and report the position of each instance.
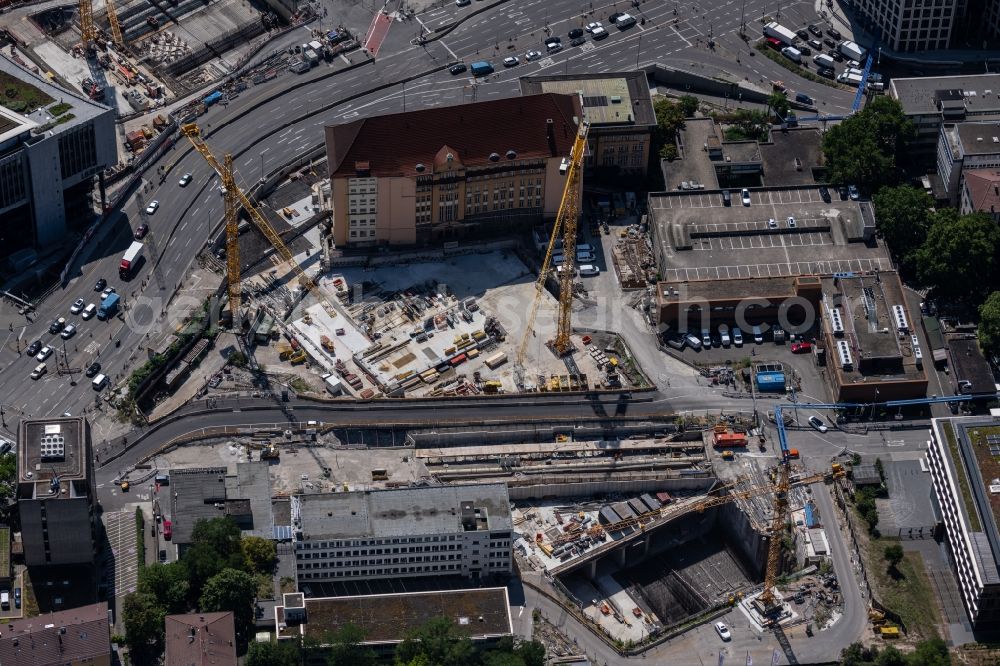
(116, 29)
(235, 198)
(565, 225)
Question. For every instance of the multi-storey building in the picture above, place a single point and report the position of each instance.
(431, 531)
(921, 25)
(620, 111)
(445, 172)
(55, 491)
(200, 639)
(980, 193)
(932, 101)
(966, 147)
(962, 456)
(49, 158)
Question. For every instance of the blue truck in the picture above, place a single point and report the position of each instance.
(212, 99)
(109, 306)
(481, 68)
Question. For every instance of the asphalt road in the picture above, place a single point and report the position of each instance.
(284, 128)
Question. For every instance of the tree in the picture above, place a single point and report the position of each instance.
(779, 104)
(864, 147)
(168, 584)
(750, 124)
(531, 652)
(933, 652)
(668, 151)
(893, 555)
(439, 643)
(215, 545)
(273, 653)
(959, 258)
(989, 323)
(231, 590)
(890, 656)
(143, 620)
(8, 475)
(261, 554)
(689, 105)
(903, 218)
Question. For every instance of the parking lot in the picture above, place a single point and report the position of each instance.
(809, 195)
(785, 269)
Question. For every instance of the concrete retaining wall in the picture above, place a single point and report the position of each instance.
(589, 489)
(685, 81)
(534, 433)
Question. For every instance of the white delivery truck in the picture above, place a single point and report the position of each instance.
(779, 32)
(852, 51)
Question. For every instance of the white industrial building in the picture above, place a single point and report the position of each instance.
(963, 487)
(49, 157)
(425, 531)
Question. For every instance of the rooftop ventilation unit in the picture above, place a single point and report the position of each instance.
(53, 447)
(836, 322)
(899, 316)
(917, 354)
(844, 351)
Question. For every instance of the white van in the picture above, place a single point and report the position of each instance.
(737, 336)
(589, 269)
(100, 381)
(758, 335)
(724, 334)
(706, 338)
(5, 600)
(39, 370)
(584, 255)
(89, 311)
(625, 21)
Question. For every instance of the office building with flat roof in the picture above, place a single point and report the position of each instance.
(962, 455)
(55, 491)
(49, 159)
(427, 531)
(932, 101)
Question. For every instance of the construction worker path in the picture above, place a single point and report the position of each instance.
(377, 32)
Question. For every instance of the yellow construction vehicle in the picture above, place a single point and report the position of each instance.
(888, 631)
(298, 358)
(124, 486)
(269, 452)
(565, 228)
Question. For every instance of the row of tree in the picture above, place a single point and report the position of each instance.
(932, 652)
(220, 571)
(437, 643)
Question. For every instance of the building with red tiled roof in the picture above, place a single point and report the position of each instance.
(68, 638)
(200, 639)
(445, 172)
(981, 192)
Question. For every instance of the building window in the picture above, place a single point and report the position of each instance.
(77, 150)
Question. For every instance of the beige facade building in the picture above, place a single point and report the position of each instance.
(444, 173)
(620, 111)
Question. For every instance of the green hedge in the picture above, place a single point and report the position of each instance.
(795, 69)
(140, 537)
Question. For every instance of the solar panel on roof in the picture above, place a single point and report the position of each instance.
(595, 100)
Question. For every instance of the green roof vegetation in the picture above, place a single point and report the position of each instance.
(60, 108)
(4, 551)
(20, 96)
(963, 480)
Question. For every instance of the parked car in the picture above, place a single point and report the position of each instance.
(578, 41)
(772, 223)
(829, 42)
(77, 306)
(737, 336)
(168, 530)
(693, 341)
(791, 222)
(817, 424)
(17, 597)
(815, 30)
(852, 191)
(745, 196)
(593, 26)
(803, 34)
(801, 347)
(599, 33)
(815, 44)
(511, 61)
(824, 192)
(576, 32)
(833, 32)
(723, 631)
(532, 55)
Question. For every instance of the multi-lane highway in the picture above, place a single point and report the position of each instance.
(273, 123)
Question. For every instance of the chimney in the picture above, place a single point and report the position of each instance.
(550, 134)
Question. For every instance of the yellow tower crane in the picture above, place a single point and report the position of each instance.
(565, 226)
(234, 198)
(87, 31)
(116, 29)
